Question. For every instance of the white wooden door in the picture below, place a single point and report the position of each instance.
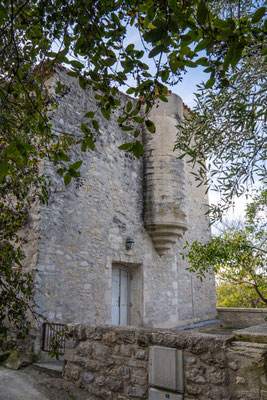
(120, 296)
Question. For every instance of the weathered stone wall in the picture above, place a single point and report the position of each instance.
(241, 317)
(83, 230)
(112, 363)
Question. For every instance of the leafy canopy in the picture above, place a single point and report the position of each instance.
(239, 255)
(228, 128)
(237, 296)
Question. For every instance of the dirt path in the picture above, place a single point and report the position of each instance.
(17, 386)
(32, 384)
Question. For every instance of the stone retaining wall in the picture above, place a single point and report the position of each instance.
(241, 317)
(112, 363)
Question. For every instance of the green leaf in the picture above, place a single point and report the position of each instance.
(203, 61)
(26, 147)
(95, 124)
(3, 12)
(130, 90)
(138, 150)
(154, 52)
(126, 146)
(190, 63)
(110, 60)
(165, 75)
(154, 35)
(82, 82)
(228, 58)
(11, 148)
(89, 114)
(259, 14)
(3, 169)
(76, 64)
(72, 73)
(210, 83)
(85, 128)
(203, 44)
(150, 126)
(90, 142)
(67, 179)
(106, 113)
(129, 48)
(74, 173)
(139, 120)
(185, 38)
(162, 98)
(63, 156)
(61, 171)
(237, 55)
(129, 106)
(202, 13)
(126, 128)
(76, 165)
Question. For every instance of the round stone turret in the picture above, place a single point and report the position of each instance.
(165, 208)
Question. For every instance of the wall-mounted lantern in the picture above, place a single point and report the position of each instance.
(129, 243)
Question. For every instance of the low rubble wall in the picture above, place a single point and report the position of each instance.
(113, 363)
(241, 317)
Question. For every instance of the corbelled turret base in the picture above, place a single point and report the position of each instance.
(165, 235)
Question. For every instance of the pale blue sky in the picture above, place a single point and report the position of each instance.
(184, 89)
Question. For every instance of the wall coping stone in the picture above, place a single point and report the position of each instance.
(144, 337)
(248, 310)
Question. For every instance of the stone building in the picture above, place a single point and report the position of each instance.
(79, 244)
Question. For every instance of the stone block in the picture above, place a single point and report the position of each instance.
(142, 340)
(100, 350)
(240, 380)
(114, 385)
(196, 375)
(140, 380)
(87, 377)
(194, 389)
(69, 354)
(190, 360)
(137, 392)
(93, 365)
(141, 354)
(233, 365)
(216, 394)
(126, 337)
(100, 380)
(125, 350)
(84, 349)
(217, 377)
(124, 372)
(72, 371)
(110, 337)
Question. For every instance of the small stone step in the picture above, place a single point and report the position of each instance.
(52, 368)
(254, 334)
